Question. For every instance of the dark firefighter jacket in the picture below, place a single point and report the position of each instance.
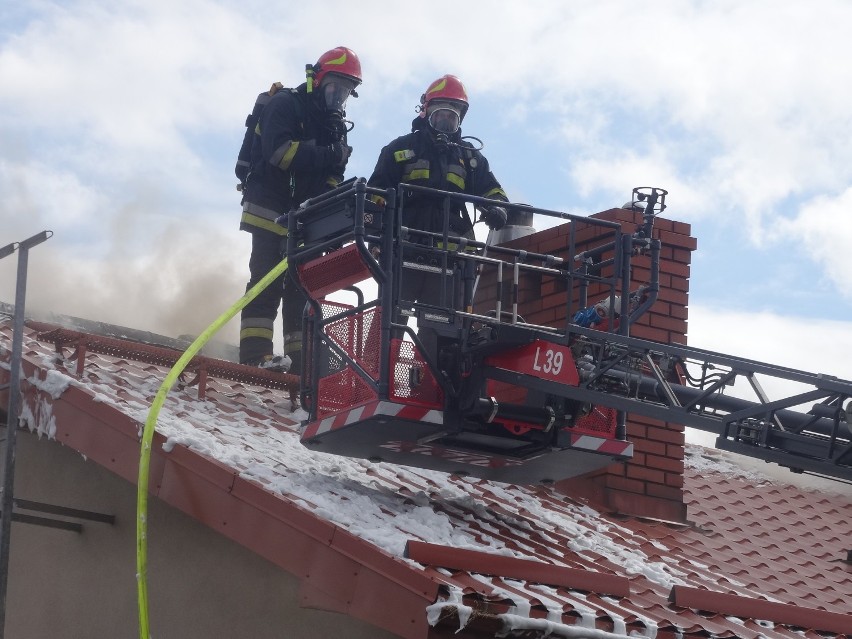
(290, 159)
(417, 158)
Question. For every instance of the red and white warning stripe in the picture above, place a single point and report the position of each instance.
(601, 445)
(360, 413)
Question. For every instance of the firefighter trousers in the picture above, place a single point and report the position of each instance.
(258, 317)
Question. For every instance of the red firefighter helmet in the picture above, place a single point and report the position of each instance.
(444, 105)
(340, 60)
(447, 87)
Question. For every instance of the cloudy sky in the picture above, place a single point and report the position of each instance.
(120, 122)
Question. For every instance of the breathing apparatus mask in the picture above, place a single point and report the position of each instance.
(444, 116)
(335, 91)
(330, 97)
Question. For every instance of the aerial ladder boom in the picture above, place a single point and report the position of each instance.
(492, 395)
(805, 428)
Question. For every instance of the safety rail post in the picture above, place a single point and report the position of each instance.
(626, 251)
(391, 225)
(445, 247)
(5, 252)
(23, 248)
(571, 276)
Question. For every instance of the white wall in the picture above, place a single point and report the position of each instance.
(83, 586)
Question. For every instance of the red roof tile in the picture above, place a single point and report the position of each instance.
(758, 558)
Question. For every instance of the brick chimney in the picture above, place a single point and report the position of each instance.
(650, 484)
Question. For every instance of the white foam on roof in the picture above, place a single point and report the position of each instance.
(362, 497)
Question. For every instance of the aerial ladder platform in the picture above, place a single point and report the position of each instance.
(490, 395)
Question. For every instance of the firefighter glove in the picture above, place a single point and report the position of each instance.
(495, 217)
(338, 155)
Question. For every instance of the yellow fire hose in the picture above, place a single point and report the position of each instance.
(148, 436)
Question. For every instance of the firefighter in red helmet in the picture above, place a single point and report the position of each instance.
(299, 150)
(444, 104)
(435, 155)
